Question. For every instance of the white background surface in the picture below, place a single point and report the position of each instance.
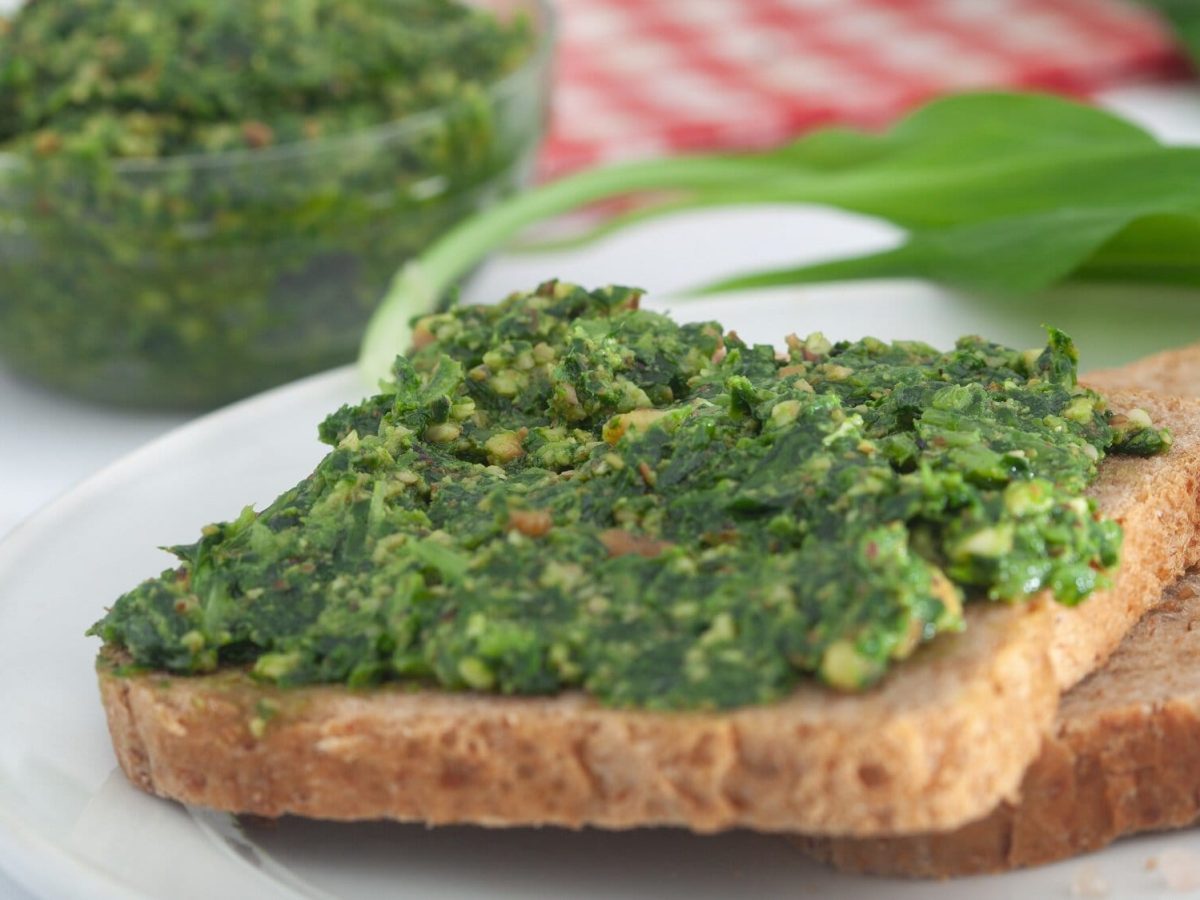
(48, 443)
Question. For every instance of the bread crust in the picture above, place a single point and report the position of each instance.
(441, 758)
(1124, 754)
(944, 738)
(1124, 757)
(1156, 501)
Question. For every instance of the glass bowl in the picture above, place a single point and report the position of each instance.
(193, 280)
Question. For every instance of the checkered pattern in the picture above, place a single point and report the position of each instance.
(647, 77)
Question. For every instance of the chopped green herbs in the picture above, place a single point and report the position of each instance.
(144, 263)
(127, 78)
(564, 491)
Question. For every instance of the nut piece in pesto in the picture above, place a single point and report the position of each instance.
(663, 516)
(202, 198)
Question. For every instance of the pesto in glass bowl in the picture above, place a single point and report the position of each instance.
(203, 198)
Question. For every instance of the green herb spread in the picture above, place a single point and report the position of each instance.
(130, 78)
(145, 263)
(564, 491)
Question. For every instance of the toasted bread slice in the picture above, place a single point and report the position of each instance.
(438, 757)
(941, 741)
(1124, 755)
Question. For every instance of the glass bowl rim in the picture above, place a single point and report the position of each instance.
(414, 123)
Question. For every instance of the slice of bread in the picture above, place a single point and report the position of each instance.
(944, 738)
(1124, 754)
(903, 753)
(1124, 757)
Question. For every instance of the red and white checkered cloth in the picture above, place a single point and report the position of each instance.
(641, 78)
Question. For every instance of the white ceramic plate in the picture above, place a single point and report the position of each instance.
(70, 825)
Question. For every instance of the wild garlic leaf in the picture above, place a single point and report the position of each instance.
(966, 129)
(1039, 191)
(1160, 249)
(1019, 254)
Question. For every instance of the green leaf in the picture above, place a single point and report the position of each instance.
(1097, 178)
(1021, 254)
(932, 149)
(1158, 249)
(968, 129)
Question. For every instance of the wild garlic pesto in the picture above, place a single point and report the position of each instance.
(564, 491)
(135, 79)
(203, 198)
